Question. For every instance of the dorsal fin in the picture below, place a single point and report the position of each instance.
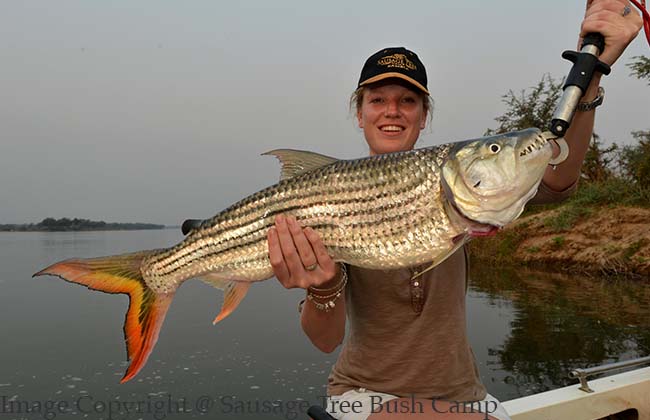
(296, 162)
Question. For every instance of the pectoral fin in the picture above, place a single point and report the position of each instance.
(458, 242)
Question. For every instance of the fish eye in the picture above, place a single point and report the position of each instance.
(495, 148)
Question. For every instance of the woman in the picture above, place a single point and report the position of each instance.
(407, 350)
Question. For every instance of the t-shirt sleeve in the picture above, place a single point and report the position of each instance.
(546, 195)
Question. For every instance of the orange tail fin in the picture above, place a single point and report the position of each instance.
(121, 274)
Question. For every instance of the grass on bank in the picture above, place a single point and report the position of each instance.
(587, 200)
(589, 197)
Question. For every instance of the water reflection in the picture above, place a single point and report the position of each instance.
(63, 341)
(560, 322)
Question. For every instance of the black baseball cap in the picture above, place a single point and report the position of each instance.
(394, 62)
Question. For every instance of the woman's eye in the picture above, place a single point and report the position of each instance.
(408, 100)
(375, 100)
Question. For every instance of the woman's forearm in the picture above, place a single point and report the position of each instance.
(325, 329)
(577, 137)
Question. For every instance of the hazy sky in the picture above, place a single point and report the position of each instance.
(157, 111)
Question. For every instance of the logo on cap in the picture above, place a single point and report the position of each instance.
(397, 60)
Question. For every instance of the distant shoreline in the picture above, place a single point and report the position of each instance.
(77, 225)
(18, 230)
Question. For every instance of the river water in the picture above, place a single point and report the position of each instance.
(62, 353)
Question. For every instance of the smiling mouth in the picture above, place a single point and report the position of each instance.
(391, 128)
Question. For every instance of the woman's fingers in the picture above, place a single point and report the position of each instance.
(303, 246)
(325, 262)
(617, 21)
(292, 250)
(289, 252)
(276, 258)
(616, 6)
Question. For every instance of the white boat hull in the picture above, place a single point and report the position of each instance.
(612, 394)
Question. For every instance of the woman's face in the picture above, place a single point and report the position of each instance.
(391, 117)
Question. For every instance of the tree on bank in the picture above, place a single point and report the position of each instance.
(599, 161)
(640, 67)
(635, 159)
(534, 107)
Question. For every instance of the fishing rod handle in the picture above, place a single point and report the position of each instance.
(316, 412)
(596, 39)
(190, 224)
(585, 63)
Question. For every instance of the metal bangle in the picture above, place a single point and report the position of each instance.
(335, 293)
(590, 106)
(344, 277)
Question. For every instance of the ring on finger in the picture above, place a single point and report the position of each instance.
(311, 267)
(626, 10)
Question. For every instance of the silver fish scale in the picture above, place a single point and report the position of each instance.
(378, 212)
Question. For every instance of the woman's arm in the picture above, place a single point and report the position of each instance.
(605, 17)
(291, 250)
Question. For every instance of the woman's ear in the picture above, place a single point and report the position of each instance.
(359, 119)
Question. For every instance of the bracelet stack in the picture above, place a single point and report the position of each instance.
(324, 299)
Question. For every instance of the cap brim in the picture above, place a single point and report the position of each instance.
(390, 75)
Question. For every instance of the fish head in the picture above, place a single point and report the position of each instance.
(489, 180)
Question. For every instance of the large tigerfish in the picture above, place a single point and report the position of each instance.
(383, 212)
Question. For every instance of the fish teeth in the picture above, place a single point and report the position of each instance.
(536, 145)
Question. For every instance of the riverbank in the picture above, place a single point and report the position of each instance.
(588, 239)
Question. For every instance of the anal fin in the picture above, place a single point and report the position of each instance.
(234, 293)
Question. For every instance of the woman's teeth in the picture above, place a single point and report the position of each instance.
(392, 128)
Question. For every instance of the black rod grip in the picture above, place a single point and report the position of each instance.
(317, 412)
(190, 224)
(594, 38)
(585, 64)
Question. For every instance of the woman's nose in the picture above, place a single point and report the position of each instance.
(392, 109)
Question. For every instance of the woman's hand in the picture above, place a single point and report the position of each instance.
(606, 17)
(298, 256)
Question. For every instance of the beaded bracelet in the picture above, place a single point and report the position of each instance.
(326, 306)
